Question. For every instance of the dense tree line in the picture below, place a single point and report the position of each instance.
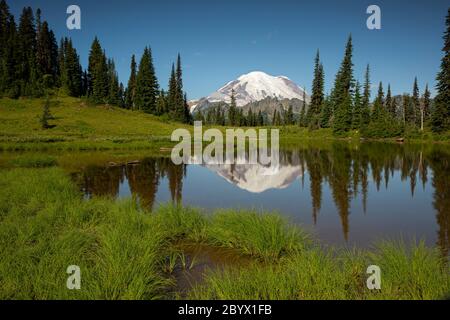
(28, 54)
(32, 63)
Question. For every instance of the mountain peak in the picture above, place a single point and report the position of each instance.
(255, 86)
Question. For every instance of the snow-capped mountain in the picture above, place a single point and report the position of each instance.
(256, 178)
(252, 87)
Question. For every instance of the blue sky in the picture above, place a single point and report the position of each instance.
(220, 40)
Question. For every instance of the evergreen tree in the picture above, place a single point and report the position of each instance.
(60, 72)
(250, 118)
(357, 108)
(46, 51)
(171, 98)
(232, 112)
(187, 111)
(378, 106)
(390, 103)
(29, 79)
(161, 103)
(84, 83)
(72, 70)
(342, 91)
(98, 84)
(9, 54)
(440, 119)
(326, 113)
(199, 117)
(178, 108)
(274, 117)
(426, 105)
(114, 86)
(181, 114)
(302, 118)
(289, 116)
(317, 98)
(260, 119)
(131, 88)
(415, 104)
(121, 97)
(147, 87)
(5, 17)
(46, 115)
(406, 102)
(365, 106)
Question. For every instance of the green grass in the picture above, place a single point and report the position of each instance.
(128, 253)
(266, 237)
(78, 125)
(411, 272)
(33, 161)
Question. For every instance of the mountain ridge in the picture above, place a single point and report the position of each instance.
(251, 88)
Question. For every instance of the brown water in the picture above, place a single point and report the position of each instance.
(345, 194)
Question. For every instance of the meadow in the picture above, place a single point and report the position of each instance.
(81, 125)
(126, 252)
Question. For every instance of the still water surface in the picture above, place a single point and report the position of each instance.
(346, 195)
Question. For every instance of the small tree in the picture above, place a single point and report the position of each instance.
(46, 115)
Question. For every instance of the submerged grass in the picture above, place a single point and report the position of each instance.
(125, 252)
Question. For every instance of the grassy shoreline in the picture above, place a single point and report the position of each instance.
(127, 253)
(81, 126)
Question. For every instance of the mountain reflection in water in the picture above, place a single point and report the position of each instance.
(346, 194)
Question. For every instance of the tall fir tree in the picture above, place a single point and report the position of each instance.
(365, 105)
(232, 111)
(114, 85)
(390, 103)
(28, 73)
(171, 97)
(406, 108)
(326, 114)
(161, 103)
(342, 93)
(302, 121)
(415, 104)
(426, 108)
(98, 84)
(378, 105)
(317, 97)
(147, 88)
(357, 108)
(131, 88)
(72, 70)
(46, 51)
(440, 120)
(9, 53)
(181, 114)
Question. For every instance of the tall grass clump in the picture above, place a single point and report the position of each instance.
(411, 271)
(182, 223)
(265, 236)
